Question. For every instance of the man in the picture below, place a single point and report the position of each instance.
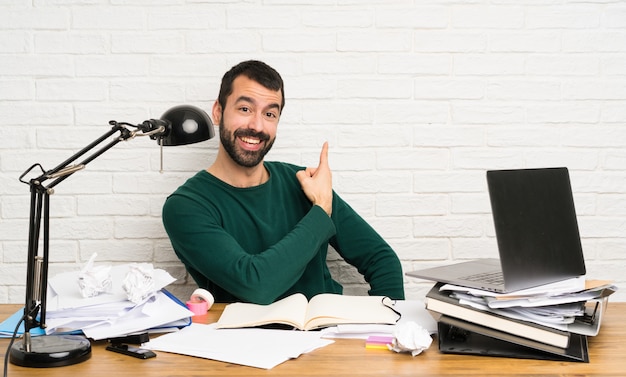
(255, 231)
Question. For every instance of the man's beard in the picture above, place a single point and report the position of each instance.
(244, 158)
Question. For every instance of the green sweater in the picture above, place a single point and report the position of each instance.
(263, 243)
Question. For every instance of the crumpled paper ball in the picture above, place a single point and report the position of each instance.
(139, 282)
(410, 337)
(94, 280)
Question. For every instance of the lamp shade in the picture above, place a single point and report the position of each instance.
(187, 125)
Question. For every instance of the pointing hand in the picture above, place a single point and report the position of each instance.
(317, 182)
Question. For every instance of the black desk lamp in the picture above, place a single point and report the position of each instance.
(177, 126)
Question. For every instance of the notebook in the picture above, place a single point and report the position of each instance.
(536, 231)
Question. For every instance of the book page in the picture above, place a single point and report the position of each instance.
(289, 311)
(332, 309)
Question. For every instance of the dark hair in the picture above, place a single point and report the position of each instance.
(254, 70)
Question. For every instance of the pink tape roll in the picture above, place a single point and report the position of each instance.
(198, 307)
(202, 295)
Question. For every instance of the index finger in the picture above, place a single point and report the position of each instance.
(324, 154)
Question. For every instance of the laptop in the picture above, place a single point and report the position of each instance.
(536, 230)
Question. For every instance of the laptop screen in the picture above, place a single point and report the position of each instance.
(536, 226)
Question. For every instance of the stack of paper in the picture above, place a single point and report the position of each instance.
(546, 305)
(111, 314)
(553, 319)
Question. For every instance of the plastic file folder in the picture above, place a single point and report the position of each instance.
(460, 337)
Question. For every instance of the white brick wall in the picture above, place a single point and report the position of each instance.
(417, 100)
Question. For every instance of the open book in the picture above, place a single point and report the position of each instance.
(323, 310)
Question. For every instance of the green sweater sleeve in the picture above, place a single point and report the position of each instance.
(205, 247)
(361, 246)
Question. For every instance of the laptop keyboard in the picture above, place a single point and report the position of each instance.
(488, 277)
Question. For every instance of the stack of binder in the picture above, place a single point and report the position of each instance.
(549, 327)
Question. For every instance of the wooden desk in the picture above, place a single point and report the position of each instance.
(348, 357)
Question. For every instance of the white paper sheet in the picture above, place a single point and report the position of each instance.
(259, 348)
